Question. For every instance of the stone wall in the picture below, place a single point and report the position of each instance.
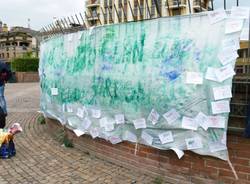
(27, 77)
(191, 168)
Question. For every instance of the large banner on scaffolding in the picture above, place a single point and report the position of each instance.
(165, 82)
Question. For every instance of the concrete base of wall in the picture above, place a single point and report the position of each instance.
(27, 77)
(192, 168)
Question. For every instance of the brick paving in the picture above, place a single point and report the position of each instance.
(41, 159)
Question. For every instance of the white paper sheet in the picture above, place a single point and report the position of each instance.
(103, 121)
(80, 113)
(193, 143)
(178, 152)
(171, 116)
(227, 55)
(119, 119)
(96, 113)
(201, 120)
(217, 16)
(69, 109)
(86, 123)
(109, 127)
(114, 140)
(147, 138)
(94, 132)
(166, 137)
(217, 146)
(216, 121)
(140, 123)
(240, 12)
(222, 92)
(233, 43)
(78, 132)
(211, 74)
(219, 107)
(233, 25)
(194, 78)
(129, 136)
(154, 116)
(54, 91)
(224, 72)
(189, 123)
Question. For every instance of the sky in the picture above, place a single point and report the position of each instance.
(40, 12)
(43, 12)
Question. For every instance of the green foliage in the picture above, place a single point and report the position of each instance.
(26, 64)
(158, 180)
(62, 137)
(41, 120)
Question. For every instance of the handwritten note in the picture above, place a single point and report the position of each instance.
(193, 143)
(219, 107)
(171, 116)
(119, 119)
(54, 91)
(233, 25)
(166, 137)
(153, 116)
(240, 12)
(96, 113)
(224, 72)
(189, 123)
(194, 78)
(201, 120)
(216, 121)
(222, 92)
(140, 123)
(114, 140)
(217, 16)
(147, 138)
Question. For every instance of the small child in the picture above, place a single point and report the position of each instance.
(7, 148)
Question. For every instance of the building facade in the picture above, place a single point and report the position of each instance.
(115, 11)
(16, 43)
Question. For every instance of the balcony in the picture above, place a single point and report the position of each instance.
(92, 3)
(93, 16)
(176, 3)
(197, 4)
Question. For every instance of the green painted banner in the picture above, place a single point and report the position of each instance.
(165, 82)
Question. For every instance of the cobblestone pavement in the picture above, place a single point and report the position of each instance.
(41, 159)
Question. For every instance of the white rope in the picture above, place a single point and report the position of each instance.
(233, 170)
(136, 147)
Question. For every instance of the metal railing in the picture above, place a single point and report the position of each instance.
(241, 82)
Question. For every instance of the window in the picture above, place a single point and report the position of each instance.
(176, 12)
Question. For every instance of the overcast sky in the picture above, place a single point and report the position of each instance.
(41, 12)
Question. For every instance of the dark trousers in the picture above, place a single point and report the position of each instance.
(2, 118)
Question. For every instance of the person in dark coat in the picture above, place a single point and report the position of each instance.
(5, 75)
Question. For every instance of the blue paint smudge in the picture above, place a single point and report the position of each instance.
(172, 75)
